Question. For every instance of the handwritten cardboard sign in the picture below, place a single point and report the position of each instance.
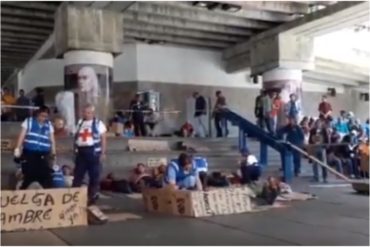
(154, 161)
(223, 201)
(7, 145)
(43, 209)
(148, 145)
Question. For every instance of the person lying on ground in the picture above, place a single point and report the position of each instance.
(140, 178)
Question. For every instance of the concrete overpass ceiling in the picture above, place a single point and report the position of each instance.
(25, 26)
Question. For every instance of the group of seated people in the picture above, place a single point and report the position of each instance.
(345, 141)
(151, 120)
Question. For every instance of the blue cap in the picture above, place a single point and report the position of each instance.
(244, 152)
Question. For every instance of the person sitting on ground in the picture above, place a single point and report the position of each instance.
(68, 175)
(158, 176)
(270, 191)
(140, 178)
(128, 130)
(187, 130)
(182, 175)
(364, 150)
(250, 170)
(57, 177)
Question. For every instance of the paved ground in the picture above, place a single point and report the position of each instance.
(338, 217)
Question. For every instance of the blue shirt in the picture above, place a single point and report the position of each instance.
(176, 174)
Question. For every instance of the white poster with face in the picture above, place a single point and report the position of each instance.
(92, 86)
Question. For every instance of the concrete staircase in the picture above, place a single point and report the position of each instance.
(222, 155)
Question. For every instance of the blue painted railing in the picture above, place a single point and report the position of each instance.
(247, 128)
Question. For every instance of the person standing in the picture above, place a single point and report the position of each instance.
(275, 111)
(325, 109)
(294, 134)
(200, 114)
(258, 109)
(267, 108)
(293, 108)
(220, 121)
(137, 107)
(90, 149)
(22, 100)
(37, 142)
(39, 100)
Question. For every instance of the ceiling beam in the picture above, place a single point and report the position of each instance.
(274, 6)
(23, 36)
(25, 22)
(174, 39)
(31, 5)
(20, 41)
(22, 29)
(6, 11)
(19, 50)
(5, 45)
(243, 13)
(195, 15)
(186, 24)
(149, 28)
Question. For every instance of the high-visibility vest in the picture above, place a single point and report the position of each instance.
(95, 134)
(37, 136)
(180, 175)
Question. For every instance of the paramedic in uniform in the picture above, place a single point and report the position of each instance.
(181, 174)
(38, 147)
(90, 148)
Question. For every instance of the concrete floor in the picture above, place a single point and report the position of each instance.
(338, 217)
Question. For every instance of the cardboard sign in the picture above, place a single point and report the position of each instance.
(147, 145)
(7, 145)
(43, 209)
(232, 200)
(154, 162)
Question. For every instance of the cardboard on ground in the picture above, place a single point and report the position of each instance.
(222, 201)
(43, 209)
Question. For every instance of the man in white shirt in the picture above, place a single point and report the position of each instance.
(90, 147)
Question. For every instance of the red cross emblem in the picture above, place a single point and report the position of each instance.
(85, 134)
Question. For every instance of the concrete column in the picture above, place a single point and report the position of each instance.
(287, 81)
(89, 75)
(87, 39)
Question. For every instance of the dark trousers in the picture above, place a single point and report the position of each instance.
(221, 125)
(35, 168)
(139, 126)
(87, 160)
(250, 173)
(297, 162)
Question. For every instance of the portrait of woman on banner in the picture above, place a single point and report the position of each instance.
(88, 86)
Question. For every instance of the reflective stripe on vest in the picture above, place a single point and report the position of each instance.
(58, 179)
(37, 137)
